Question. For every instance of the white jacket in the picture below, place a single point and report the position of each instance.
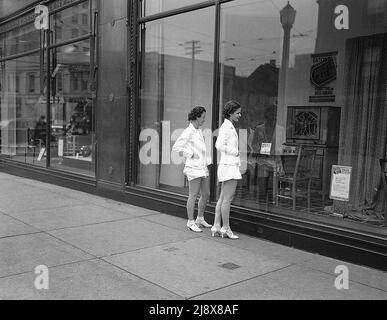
(191, 142)
(227, 144)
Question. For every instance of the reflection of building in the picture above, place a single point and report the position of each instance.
(169, 91)
(172, 86)
(257, 91)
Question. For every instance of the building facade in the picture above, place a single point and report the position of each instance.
(96, 100)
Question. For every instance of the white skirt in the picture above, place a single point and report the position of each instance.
(194, 173)
(228, 172)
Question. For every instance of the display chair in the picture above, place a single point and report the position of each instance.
(296, 182)
(32, 144)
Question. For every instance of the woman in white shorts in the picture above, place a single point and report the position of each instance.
(228, 169)
(191, 144)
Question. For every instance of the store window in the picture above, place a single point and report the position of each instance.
(22, 110)
(314, 108)
(72, 110)
(313, 132)
(176, 74)
(66, 140)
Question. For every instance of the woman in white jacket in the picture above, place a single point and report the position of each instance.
(191, 144)
(228, 168)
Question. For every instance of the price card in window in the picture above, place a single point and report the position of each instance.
(340, 182)
(265, 148)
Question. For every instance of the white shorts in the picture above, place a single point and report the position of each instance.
(228, 172)
(194, 173)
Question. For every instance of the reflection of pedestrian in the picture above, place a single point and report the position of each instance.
(268, 132)
(191, 144)
(88, 115)
(228, 169)
(40, 130)
(71, 127)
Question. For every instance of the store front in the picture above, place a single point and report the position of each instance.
(310, 76)
(46, 77)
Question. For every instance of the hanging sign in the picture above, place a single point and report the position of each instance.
(340, 182)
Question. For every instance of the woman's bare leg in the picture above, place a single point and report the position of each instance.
(204, 194)
(194, 188)
(228, 189)
(218, 215)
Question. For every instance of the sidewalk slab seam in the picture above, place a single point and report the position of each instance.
(139, 277)
(241, 281)
(93, 278)
(172, 268)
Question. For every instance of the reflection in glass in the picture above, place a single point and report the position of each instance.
(70, 23)
(22, 110)
(254, 66)
(177, 74)
(157, 6)
(19, 40)
(72, 110)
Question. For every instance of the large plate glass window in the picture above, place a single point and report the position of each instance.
(314, 121)
(72, 109)
(176, 74)
(23, 110)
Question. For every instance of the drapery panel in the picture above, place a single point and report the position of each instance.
(363, 135)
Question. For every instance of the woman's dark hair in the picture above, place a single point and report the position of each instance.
(229, 108)
(196, 113)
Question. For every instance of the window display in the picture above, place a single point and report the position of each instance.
(311, 93)
(26, 132)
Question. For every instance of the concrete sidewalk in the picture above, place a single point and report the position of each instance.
(96, 248)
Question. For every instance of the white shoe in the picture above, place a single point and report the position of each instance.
(201, 222)
(227, 233)
(215, 231)
(191, 225)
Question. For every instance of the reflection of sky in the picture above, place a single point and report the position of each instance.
(156, 6)
(251, 32)
(171, 34)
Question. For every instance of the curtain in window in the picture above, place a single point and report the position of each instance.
(363, 135)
